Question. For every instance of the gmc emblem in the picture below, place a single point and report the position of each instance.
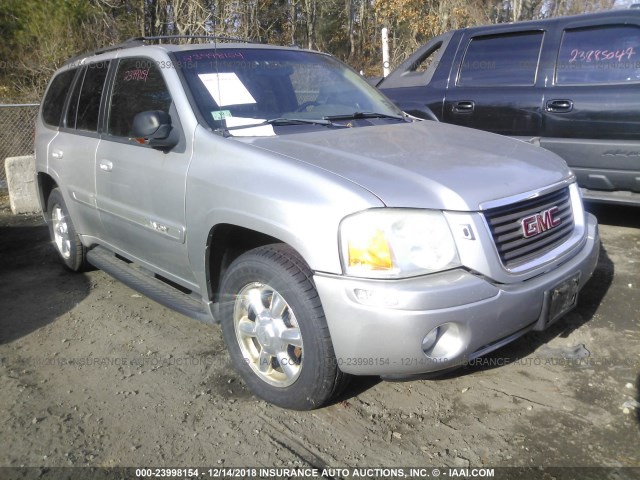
(540, 222)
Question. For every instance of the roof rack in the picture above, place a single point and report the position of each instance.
(213, 38)
(140, 41)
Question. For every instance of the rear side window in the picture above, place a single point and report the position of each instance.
(423, 63)
(138, 87)
(608, 54)
(501, 60)
(53, 102)
(72, 109)
(90, 96)
(84, 106)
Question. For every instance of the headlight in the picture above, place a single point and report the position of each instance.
(395, 243)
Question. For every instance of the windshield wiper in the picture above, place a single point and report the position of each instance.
(298, 121)
(359, 115)
(287, 121)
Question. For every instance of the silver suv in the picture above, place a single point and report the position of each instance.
(273, 190)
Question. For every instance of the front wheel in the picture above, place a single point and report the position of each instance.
(275, 329)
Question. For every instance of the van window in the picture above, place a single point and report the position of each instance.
(608, 54)
(72, 109)
(54, 100)
(501, 60)
(90, 96)
(84, 106)
(138, 87)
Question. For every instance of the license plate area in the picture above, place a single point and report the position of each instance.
(563, 298)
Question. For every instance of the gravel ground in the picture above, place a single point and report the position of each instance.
(94, 374)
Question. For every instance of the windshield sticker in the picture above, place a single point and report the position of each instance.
(226, 89)
(221, 114)
(248, 131)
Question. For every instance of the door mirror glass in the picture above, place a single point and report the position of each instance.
(153, 128)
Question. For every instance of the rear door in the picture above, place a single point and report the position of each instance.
(72, 153)
(494, 83)
(592, 108)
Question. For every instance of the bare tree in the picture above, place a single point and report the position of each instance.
(310, 16)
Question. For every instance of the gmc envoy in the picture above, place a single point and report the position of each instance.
(274, 191)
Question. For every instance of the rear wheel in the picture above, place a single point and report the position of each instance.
(275, 329)
(63, 234)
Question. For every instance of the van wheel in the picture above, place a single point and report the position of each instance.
(63, 234)
(275, 329)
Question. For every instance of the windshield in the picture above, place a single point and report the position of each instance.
(254, 91)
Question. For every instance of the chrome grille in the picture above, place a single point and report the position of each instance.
(506, 227)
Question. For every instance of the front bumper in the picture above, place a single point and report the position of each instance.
(378, 326)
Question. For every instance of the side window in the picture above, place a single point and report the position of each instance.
(72, 110)
(138, 87)
(501, 60)
(84, 105)
(423, 63)
(54, 100)
(608, 54)
(90, 95)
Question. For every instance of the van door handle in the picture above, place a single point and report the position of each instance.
(106, 165)
(559, 106)
(465, 106)
(57, 154)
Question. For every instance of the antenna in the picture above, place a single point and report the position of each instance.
(215, 49)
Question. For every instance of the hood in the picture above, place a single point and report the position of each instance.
(424, 164)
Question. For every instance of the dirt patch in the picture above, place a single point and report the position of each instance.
(94, 374)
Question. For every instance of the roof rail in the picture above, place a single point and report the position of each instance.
(140, 41)
(132, 42)
(213, 38)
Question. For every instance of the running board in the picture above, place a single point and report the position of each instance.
(147, 284)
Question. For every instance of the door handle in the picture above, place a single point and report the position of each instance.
(559, 106)
(106, 165)
(57, 154)
(465, 106)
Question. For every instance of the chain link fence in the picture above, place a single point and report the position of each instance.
(17, 123)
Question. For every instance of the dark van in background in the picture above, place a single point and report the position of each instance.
(569, 84)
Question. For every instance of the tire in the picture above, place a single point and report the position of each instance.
(275, 329)
(63, 234)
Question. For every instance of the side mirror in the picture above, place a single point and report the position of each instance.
(154, 128)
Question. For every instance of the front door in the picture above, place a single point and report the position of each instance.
(141, 190)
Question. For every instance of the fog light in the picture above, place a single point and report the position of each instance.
(445, 342)
(430, 340)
